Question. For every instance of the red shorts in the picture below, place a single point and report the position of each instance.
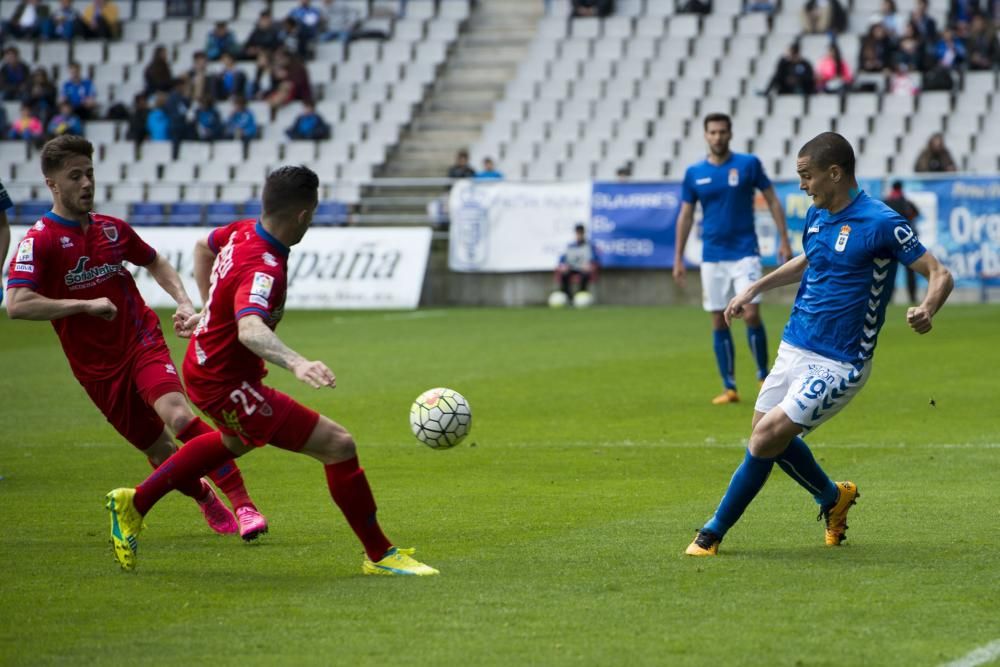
(126, 400)
(258, 415)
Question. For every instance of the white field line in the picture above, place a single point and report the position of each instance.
(980, 656)
(726, 445)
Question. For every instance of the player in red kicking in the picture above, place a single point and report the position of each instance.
(68, 269)
(245, 263)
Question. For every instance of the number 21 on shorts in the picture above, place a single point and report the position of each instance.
(243, 396)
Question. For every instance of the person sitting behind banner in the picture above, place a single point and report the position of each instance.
(578, 264)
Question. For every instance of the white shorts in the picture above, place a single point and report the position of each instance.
(809, 387)
(721, 281)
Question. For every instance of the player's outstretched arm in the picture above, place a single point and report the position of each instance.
(685, 220)
(26, 304)
(778, 213)
(939, 286)
(259, 339)
(167, 277)
(788, 273)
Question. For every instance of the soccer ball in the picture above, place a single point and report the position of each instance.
(582, 299)
(558, 299)
(440, 418)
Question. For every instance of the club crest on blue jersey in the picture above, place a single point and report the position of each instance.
(845, 232)
(734, 177)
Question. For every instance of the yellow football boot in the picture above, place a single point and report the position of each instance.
(398, 562)
(705, 544)
(126, 524)
(836, 516)
(728, 396)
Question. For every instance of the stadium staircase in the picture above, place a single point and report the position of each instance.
(492, 44)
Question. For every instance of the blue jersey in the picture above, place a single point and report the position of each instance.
(726, 194)
(852, 256)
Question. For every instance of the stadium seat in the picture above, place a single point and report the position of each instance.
(28, 212)
(221, 213)
(186, 214)
(330, 213)
(147, 213)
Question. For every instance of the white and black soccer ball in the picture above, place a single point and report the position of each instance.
(440, 418)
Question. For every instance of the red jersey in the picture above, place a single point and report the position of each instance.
(59, 260)
(248, 278)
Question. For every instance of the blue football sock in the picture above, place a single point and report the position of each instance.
(748, 479)
(723, 343)
(757, 338)
(800, 465)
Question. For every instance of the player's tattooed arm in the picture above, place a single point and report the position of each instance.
(27, 304)
(259, 339)
(939, 286)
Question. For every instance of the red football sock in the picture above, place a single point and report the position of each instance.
(349, 489)
(189, 463)
(193, 489)
(228, 476)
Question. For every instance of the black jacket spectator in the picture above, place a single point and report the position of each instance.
(30, 20)
(40, 94)
(877, 52)
(229, 81)
(923, 23)
(264, 38)
(461, 168)
(981, 45)
(157, 74)
(137, 131)
(592, 8)
(962, 11)
(935, 157)
(793, 76)
(13, 75)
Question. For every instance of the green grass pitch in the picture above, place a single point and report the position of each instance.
(559, 525)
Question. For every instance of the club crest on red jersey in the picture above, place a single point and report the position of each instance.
(110, 231)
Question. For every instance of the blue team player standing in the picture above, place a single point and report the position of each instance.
(724, 183)
(853, 244)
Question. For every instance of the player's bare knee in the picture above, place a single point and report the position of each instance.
(342, 445)
(719, 321)
(175, 412)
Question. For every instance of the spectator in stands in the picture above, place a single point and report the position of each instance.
(41, 93)
(960, 12)
(177, 106)
(221, 40)
(579, 262)
(80, 93)
(898, 202)
(30, 20)
(876, 54)
(623, 174)
(935, 157)
(461, 168)
(241, 123)
(292, 38)
(903, 82)
(99, 20)
(207, 120)
(592, 8)
(158, 123)
(263, 39)
(3, 121)
(489, 171)
(199, 81)
(910, 52)
(308, 19)
(833, 74)
(180, 9)
(28, 126)
(309, 125)
(138, 119)
(793, 76)
(339, 21)
(65, 21)
(229, 81)
(981, 44)
(923, 23)
(890, 17)
(695, 7)
(157, 75)
(65, 122)
(13, 75)
(289, 80)
(950, 52)
(819, 16)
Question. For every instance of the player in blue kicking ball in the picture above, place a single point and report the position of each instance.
(853, 245)
(725, 183)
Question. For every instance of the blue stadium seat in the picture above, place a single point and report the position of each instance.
(186, 214)
(146, 213)
(220, 213)
(28, 213)
(252, 209)
(330, 213)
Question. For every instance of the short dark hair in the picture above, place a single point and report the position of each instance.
(827, 149)
(290, 189)
(897, 185)
(56, 151)
(579, 227)
(719, 118)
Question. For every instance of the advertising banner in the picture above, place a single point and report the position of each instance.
(509, 227)
(338, 268)
(633, 224)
